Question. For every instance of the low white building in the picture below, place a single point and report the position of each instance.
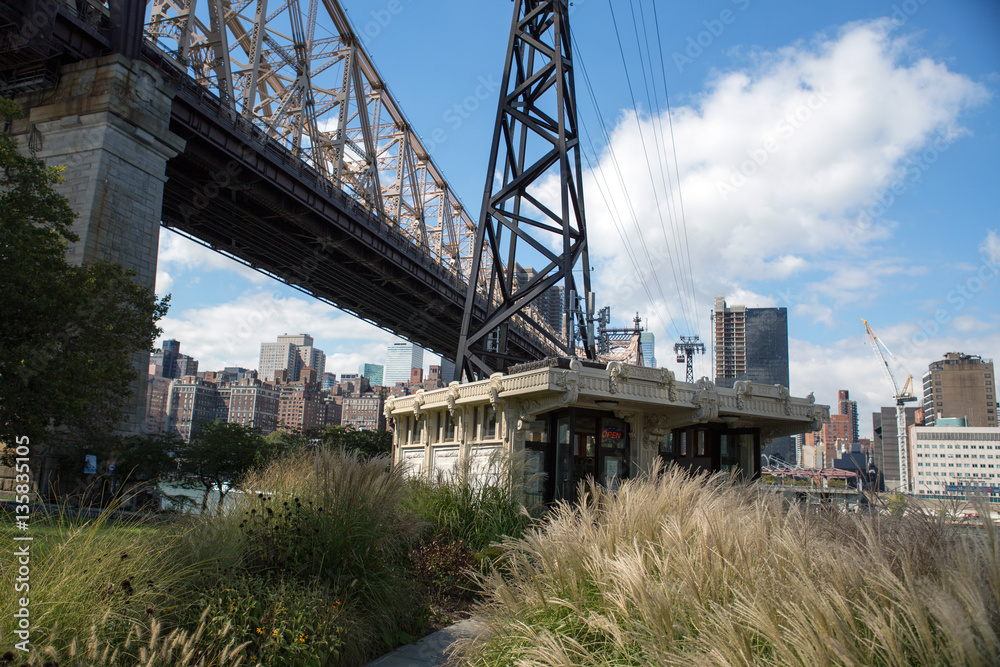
(956, 461)
(578, 419)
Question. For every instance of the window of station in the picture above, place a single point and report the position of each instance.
(711, 448)
(536, 442)
(489, 423)
(447, 421)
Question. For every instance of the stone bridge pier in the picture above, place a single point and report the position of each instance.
(107, 124)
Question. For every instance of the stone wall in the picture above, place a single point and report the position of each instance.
(107, 125)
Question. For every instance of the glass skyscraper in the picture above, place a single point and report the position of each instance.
(400, 358)
(752, 344)
(374, 373)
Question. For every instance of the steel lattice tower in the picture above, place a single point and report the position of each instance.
(535, 143)
(685, 350)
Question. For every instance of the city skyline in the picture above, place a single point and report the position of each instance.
(832, 224)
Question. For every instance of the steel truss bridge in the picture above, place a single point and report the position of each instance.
(298, 160)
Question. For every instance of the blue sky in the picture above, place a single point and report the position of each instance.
(838, 159)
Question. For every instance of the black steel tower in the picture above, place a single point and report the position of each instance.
(523, 218)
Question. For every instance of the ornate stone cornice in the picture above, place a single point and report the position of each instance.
(744, 392)
(707, 401)
(568, 381)
(418, 403)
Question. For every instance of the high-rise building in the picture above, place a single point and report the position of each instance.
(885, 448)
(329, 380)
(447, 370)
(752, 344)
(400, 359)
(364, 411)
(168, 362)
(549, 304)
(374, 373)
(647, 342)
(832, 439)
(236, 373)
(254, 403)
(960, 385)
(291, 353)
(192, 403)
(300, 408)
(849, 408)
(956, 461)
(157, 391)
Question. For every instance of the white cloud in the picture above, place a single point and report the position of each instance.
(780, 163)
(181, 252)
(164, 281)
(990, 246)
(230, 334)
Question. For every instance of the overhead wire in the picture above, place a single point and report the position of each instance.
(652, 100)
(628, 79)
(619, 224)
(685, 269)
(673, 143)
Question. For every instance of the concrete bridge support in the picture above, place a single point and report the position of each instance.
(107, 123)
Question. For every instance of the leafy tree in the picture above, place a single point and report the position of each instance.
(284, 442)
(67, 333)
(222, 454)
(145, 458)
(366, 443)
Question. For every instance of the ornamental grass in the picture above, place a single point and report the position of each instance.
(680, 570)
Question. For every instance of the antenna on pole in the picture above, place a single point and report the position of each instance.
(535, 138)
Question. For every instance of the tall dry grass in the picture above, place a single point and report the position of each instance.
(674, 570)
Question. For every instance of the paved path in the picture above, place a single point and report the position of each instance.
(431, 650)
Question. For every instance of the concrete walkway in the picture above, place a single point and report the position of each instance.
(431, 650)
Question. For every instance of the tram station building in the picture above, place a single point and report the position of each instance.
(575, 419)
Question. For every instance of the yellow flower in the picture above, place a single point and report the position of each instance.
(302, 638)
(259, 631)
(274, 633)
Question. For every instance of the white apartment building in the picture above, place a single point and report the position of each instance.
(956, 461)
(290, 353)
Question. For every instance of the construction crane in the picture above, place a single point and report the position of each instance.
(902, 396)
(686, 349)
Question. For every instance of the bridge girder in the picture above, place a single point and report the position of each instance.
(323, 100)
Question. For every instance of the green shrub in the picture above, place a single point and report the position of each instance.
(476, 510)
(98, 574)
(336, 521)
(281, 621)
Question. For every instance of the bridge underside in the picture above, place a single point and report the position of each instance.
(257, 206)
(236, 192)
(242, 193)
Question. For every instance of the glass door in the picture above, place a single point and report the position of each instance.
(614, 452)
(584, 449)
